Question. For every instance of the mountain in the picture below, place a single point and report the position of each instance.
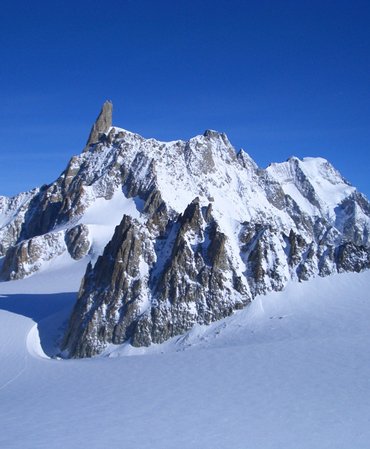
(179, 233)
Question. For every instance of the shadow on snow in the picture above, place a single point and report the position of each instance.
(49, 311)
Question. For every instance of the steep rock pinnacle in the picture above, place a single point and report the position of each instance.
(102, 123)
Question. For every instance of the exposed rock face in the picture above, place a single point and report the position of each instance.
(147, 288)
(77, 241)
(191, 281)
(12, 215)
(102, 124)
(200, 231)
(115, 275)
(28, 256)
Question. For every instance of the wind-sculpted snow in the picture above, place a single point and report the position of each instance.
(179, 233)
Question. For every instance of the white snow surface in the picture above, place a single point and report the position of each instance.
(291, 370)
(328, 185)
(10, 207)
(102, 216)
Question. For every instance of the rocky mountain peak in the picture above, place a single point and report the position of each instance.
(211, 133)
(180, 232)
(102, 123)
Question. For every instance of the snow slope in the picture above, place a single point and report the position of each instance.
(292, 370)
(329, 187)
(102, 216)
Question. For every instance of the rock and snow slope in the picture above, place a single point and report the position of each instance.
(292, 370)
(179, 233)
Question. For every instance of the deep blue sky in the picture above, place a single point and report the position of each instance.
(281, 78)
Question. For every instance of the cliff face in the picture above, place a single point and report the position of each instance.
(102, 124)
(180, 233)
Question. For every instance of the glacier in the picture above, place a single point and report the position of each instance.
(292, 370)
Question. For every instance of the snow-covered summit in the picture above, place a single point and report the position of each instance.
(313, 182)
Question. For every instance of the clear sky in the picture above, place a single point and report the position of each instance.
(280, 77)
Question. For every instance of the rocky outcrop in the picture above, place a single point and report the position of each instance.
(192, 281)
(28, 256)
(77, 241)
(147, 288)
(12, 217)
(272, 257)
(102, 124)
(110, 294)
(351, 218)
(351, 257)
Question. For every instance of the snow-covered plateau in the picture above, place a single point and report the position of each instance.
(176, 295)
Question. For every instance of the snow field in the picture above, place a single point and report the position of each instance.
(292, 370)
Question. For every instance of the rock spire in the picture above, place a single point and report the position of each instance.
(102, 123)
